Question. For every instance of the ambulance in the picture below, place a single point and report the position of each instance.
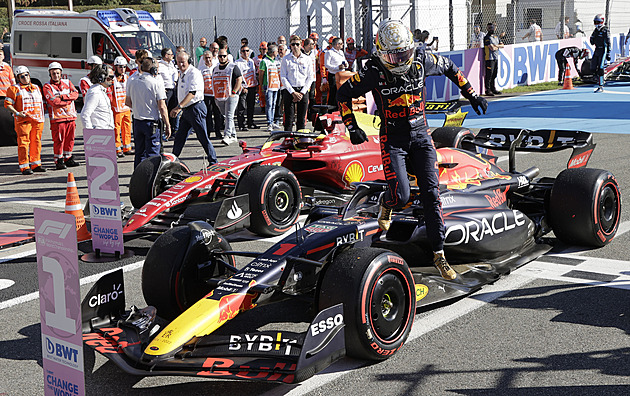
(39, 37)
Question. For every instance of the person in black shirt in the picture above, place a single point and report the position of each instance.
(569, 52)
(600, 38)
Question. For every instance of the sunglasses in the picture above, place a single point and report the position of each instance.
(110, 77)
(23, 75)
(244, 51)
(295, 44)
(222, 56)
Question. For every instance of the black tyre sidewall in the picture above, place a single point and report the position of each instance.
(575, 206)
(258, 183)
(142, 179)
(354, 284)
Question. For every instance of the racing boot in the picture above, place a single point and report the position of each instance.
(384, 217)
(442, 265)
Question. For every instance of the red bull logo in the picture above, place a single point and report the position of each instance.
(404, 100)
(232, 304)
(345, 110)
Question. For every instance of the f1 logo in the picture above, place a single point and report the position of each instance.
(99, 139)
(51, 227)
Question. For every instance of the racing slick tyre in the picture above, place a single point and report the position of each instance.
(175, 272)
(274, 198)
(143, 185)
(453, 137)
(378, 294)
(585, 207)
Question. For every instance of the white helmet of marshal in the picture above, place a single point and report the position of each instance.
(20, 70)
(94, 60)
(55, 65)
(120, 61)
(394, 46)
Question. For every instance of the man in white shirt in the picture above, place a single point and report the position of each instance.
(562, 29)
(476, 38)
(534, 33)
(190, 91)
(168, 72)
(247, 98)
(335, 61)
(97, 108)
(296, 74)
(147, 97)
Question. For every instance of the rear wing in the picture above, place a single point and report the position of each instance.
(542, 140)
(451, 109)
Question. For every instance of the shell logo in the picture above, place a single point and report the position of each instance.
(193, 179)
(354, 172)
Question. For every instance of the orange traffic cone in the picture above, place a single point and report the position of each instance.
(74, 207)
(568, 82)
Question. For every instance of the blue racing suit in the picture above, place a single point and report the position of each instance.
(601, 40)
(400, 100)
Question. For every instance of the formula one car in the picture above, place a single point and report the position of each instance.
(619, 70)
(251, 190)
(366, 284)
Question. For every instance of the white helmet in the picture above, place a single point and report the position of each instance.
(55, 65)
(394, 46)
(20, 70)
(94, 60)
(598, 21)
(120, 61)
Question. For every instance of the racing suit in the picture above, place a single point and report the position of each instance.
(561, 58)
(404, 130)
(601, 40)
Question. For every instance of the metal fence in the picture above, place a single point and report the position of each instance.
(452, 22)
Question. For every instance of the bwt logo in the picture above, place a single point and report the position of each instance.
(63, 351)
(99, 139)
(51, 227)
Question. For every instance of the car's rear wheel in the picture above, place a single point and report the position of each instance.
(585, 207)
(176, 269)
(378, 294)
(148, 179)
(456, 137)
(274, 198)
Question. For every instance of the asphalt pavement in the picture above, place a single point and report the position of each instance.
(557, 326)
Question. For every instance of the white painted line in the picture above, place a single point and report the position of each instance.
(89, 279)
(5, 283)
(18, 255)
(422, 325)
(34, 202)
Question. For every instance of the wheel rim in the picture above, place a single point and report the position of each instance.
(608, 208)
(281, 202)
(388, 307)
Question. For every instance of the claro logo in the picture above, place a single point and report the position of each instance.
(51, 227)
(101, 299)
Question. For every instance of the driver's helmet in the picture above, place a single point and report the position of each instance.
(598, 21)
(584, 53)
(394, 46)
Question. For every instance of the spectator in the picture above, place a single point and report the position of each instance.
(203, 46)
(97, 108)
(600, 38)
(491, 46)
(147, 97)
(310, 51)
(245, 42)
(6, 76)
(223, 44)
(282, 52)
(247, 98)
(190, 98)
(60, 95)
(85, 83)
(352, 52)
(263, 52)
(296, 74)
(168, 72)
(226, 84)
(135, 71)
(476, 38)
(534, 32)
(24, 100)
(218, 121)
(417, 37)
(579, 33)
(562, 29)
(281, 41)
(269, 80)
(324, 86)
(335, 62)
(122, 113)
(562, 56)
(208, 92)
(316, 93)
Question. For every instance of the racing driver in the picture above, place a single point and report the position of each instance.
(397, 83)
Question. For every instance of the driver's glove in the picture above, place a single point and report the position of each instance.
(357, 135)
(478, 102)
